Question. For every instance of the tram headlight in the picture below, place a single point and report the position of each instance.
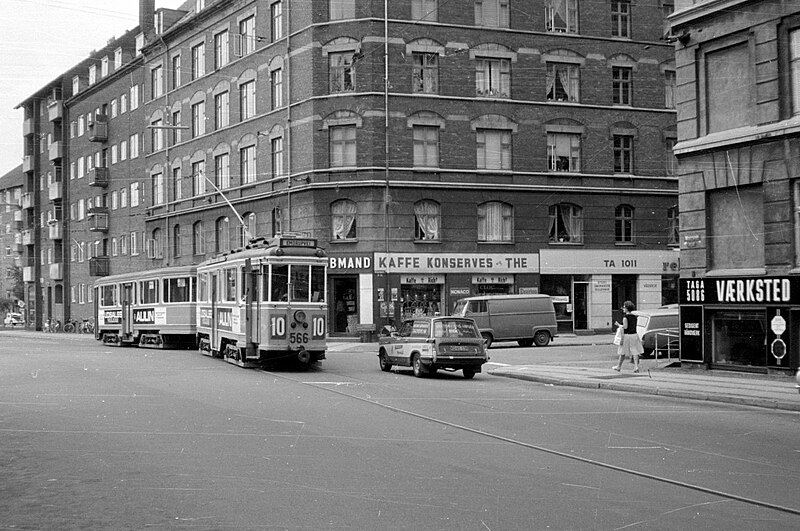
(300, 316)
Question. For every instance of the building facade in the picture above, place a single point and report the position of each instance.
(436, 152)
(11, 185)
(739, 157)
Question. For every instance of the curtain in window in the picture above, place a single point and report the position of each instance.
(427, 213)
(573, 222)
(494, 222)
(344, 215)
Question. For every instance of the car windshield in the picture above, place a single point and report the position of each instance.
(457, 328)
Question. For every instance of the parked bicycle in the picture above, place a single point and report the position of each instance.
(52, 325)
(86, 326)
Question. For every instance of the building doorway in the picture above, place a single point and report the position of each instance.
(344, 305)
(623, 288)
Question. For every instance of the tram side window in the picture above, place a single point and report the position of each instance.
(317, 284)
(108, 295)
(149, 291)
(229, 289)
(202, 280)
(300, 283)
(177, 290)
(280, 283)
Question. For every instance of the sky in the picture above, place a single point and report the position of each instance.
(40, 39)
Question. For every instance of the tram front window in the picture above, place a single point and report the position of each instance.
(280, 283)
(300, 283)
(317, 284)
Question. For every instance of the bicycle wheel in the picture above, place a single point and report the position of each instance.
(69, 327)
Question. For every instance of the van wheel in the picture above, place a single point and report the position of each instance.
(541, 339)
(487, 338)
(525, 342)
(469, 374)
(419, 369)
(383, 360)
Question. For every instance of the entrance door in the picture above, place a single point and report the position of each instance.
(344, 305)
(127, 309)
(580, 311)
(623, 288)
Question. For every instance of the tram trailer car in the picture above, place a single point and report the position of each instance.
(264, 303)
(150, 309)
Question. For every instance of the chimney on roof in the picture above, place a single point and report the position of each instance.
(147, 10)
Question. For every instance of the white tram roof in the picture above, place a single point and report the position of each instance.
(282, 246)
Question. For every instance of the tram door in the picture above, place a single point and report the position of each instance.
(127, 308)
(214, 316)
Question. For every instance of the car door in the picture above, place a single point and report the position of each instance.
(400, 348)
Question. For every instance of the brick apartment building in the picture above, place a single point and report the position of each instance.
(10, 238)
(739, 158)
(435, 151)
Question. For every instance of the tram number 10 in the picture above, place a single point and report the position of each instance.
(278, 330)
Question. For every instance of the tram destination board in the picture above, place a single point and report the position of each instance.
(298, 242)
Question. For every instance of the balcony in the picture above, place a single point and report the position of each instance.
(26, 201)
(98, 176)
(18, 216)
(98, 130)
(99, 266)
(55, 230)
(55, 110)
(27, 127)
(98, 219)
(27, 163)
(56, 151)
(27, 274)
(27, 237)
(57, 271)
(56, 191)
(16, 247)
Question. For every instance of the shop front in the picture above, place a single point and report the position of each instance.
(417, 284)
(740, 323)
(588, 286)
(350, 294)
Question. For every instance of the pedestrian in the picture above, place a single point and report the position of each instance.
(631, 343)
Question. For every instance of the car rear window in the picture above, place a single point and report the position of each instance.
(454, 328)
(663, 321)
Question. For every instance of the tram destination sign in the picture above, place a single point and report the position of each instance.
(740, 290)
(298, 242)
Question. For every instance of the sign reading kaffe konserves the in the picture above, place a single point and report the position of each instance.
(758, 291)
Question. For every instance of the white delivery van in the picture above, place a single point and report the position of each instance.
(526, 319)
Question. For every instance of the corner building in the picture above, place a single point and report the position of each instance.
(738, 65)
(435, 151)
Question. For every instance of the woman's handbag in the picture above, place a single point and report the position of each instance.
(618, 336)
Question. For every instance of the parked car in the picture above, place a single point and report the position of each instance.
(13, 319)
(526, 319)
(427, 344)
(659, 330)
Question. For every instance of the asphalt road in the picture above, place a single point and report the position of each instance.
(101, 438)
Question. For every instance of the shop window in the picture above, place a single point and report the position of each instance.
(419, 300)
(739, 338)
(566, 223)
(427, 220)
(343, 217)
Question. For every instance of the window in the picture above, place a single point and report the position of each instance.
(729, 88)
(794, 66)
(564, 152)
(495, 222)
(493, 13)
(156, 135)
(620, 18)
(276, 86)
(493, 77)
(276, 156)
(669, 89)
(425, 72)
(342, 146)
(176, 241)
(198, 60)
(156, 243)
(673, 226)
(566, 223)
(104, 66)
(340, 9)
(249, 219)
(427, 221)
(156, 82)
(247, 158)
(117, 58)
(247, 32)
(81, 125)
(672, 160)
(176, 72)
(623, 154)
(561, 16)
(114, 200)
(176, 122)
(177, 184)
(426, 146)
(198, 242)
(563, 82)
(157, 189)
(198, 178)
(221, 48)
(735, 227)
(494, 149)
(93, 74)
(123, 103)
(247, 100)
(276, 20)
(134, 97)
(134, 243)
(222, 176)
(222, 242)
(198, 119)
(427, 10)
(277, 221)
(221, 111)
(134, 194)
(123, 198)
(76, 84)
(114, 110)
(343, 218)
(134, 146)
(621, 84)
(342, 72)
(623, 224)
(123, 150)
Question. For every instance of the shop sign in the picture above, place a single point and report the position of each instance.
(456, 263)
(691, 333)
(339, 263)
(492, 279)
(601, 286)
(533, 290)
(560, 299)
(459, 292)
(422, 279)
(608, 261)
(753, 291)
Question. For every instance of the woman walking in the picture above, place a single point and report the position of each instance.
(631, 343)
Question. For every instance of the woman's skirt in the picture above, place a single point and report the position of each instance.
(631, 345)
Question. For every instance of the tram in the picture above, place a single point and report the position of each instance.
(265, 302)
(151, 309)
